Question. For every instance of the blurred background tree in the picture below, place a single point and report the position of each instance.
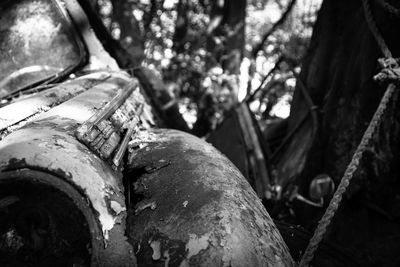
(213, 54)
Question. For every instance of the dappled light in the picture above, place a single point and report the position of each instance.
(186, 41)
(199, 133)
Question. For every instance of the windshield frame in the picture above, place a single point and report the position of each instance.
(82, 55)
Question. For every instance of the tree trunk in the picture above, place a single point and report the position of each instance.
(181, 28)
(234, 18)
(112, 46)
(338, 73)
(226, 40)
(131, 34)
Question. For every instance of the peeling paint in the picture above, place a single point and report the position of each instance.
(116, 207)
(167, 258)
(48, 142)
(223, 222)
(196, 244)
(144, 205)
(23, 109)
(155, 245)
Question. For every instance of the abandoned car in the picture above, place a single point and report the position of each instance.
(87, 175)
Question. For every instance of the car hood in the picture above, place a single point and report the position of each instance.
(39, 133)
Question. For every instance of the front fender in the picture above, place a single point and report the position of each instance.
(190, 206)
(46, 153)
(42, 151)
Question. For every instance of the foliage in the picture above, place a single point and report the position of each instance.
(189, 44)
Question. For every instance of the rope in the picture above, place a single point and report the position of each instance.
(389, 8)
(363, 145)
(344, 183)
(374, 29)
(390, 71)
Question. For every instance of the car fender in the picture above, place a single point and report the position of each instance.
(190, 206)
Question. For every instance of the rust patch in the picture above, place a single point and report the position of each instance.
(203, 201)
(158, 250)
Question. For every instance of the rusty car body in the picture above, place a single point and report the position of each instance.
(87, 178)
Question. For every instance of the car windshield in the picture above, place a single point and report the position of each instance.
(36, 44)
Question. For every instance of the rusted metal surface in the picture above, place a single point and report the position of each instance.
(106, 111)
(37, 134)
(189, 205)
(133, 124)
(195, 208)
(47, 148)
(43, 101)
(48, 143)
(102, 135)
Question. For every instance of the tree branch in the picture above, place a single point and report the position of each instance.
(258, 47)
(181, 28)
(250, 97)
(148, 18)
(111, 45)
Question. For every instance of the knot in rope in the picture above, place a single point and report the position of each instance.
(390, 70)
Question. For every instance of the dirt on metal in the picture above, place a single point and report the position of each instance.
(197, 210)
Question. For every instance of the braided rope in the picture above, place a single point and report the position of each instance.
(348, 175)
(374, 29)
(355, 161)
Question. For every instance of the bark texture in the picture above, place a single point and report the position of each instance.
(338, 75)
